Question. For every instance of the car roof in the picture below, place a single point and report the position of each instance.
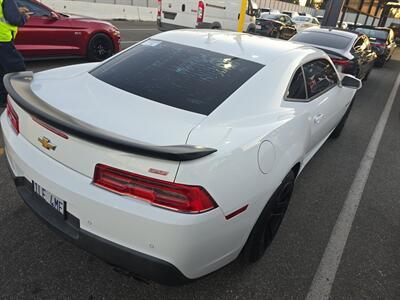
(336, 31)
(242, 45)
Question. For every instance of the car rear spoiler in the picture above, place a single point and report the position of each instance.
(18, 86)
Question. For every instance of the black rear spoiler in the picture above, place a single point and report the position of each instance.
(18, 86)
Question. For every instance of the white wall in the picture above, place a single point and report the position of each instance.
(103, 10)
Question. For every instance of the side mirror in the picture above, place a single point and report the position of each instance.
(54, 16)
(351, 82)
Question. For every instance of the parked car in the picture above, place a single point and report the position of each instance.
(176, 176)
(343, 25)
(350, 51)
(382, 40)
(214, 14)
(265, 10)
(291, 14)
(396, 30)
(49, 34)
(303, 22)
(269, 10)
(275, 25)
(304, 14)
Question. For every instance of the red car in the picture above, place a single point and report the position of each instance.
(49, 34)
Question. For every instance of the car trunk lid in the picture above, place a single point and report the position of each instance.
(112, 113)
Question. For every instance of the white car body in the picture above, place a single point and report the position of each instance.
(216, 14)
(291, 14)
(304, 22)
(258, 138)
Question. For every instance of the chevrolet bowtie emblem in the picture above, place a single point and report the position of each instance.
(46, 143)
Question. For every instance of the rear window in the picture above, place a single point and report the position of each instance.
(323, 39)
(302, 19)
(373, 33)
(180, 76)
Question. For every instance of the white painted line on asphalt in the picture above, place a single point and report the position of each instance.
(324, 277)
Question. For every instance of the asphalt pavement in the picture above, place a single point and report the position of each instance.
(37, 263)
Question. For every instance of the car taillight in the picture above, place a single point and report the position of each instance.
(383, 45)
(200, 12)
(159, 9)
(12, 116)
(174, 196)
(341, 62)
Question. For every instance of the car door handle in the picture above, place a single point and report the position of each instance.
(318, 118)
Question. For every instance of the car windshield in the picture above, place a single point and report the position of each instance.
(323, 39)
(268, 16)
(183, 77)
(302, 19)
(374, 33)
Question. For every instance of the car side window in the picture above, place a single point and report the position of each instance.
(297, 88)
(359, 45)
(320, 76)
(37, 10)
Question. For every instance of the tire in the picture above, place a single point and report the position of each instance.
(100, 47)
(380, 63)
(366, 76)
(269, 221)
(338, 130)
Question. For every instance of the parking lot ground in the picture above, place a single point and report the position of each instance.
(37, 263)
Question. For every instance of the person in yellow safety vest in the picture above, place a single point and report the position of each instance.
(11, 17)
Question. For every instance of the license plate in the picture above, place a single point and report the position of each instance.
(258, 27)
(54, 201)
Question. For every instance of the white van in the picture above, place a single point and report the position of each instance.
(213, 14)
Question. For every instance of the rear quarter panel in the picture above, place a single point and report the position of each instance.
(237, 128)
(232, 175)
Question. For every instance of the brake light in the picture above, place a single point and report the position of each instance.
(159, 9)
(200, 12)
(341, 62)
(12, 116)
(169, 195)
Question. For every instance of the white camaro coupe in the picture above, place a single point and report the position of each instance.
(178, 155)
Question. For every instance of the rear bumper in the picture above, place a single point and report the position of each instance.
(140, 264)
(152, 243)
(266, 33)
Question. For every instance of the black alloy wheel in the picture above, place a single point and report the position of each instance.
(100, 47)
(269, 221)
